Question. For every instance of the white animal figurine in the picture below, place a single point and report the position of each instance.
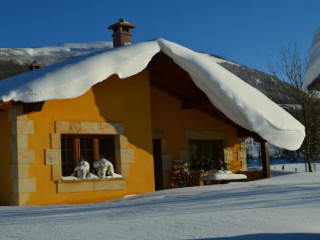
(82, 169)
(105, 168)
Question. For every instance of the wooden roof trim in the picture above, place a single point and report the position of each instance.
(195, 102)
(27, 107)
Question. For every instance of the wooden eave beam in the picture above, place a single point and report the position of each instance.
(184, 82)
(195, 102)
(214, 112)
(171, 89)
(32, 107)
(5, 106)
(27, 107)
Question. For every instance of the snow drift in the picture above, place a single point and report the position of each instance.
(240, 102)
(278, 208)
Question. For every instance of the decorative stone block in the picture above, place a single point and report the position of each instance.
(22, 126)
(167, 179)
(16, 113)
(18, 171)
(75, 186)
(22, 156)
(88, 128)
(167, 162)
(125, 170)
(123, 141)
(53, 157)
(18, 142)
(91, 185)
(56, 172)
(228, 155)
(244, 166)
(126, 155)
(24, 185)
(111, 184)
(55, 141)
(242, 155)
(19, 199)
(118, 160)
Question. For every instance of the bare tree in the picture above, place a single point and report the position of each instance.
(303, 104)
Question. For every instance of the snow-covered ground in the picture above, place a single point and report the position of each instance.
(284, 167)
(283, 207)
(294, 167)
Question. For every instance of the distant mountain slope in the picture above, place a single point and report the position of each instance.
(14, 61)
(265, 83)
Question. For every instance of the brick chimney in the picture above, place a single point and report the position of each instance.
(35, 65)
(121, 32)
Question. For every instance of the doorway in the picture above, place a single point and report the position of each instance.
(157, 158)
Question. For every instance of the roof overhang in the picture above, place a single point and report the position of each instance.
(218, 92)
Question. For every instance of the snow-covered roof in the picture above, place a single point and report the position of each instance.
(313, 68)
(240, 102)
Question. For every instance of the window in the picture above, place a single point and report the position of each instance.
(212, 149)
(87, 147)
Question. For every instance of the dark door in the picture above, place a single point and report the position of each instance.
(157, 164)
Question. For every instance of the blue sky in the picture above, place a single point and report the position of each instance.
(246, 31)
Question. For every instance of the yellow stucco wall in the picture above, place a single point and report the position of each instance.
(114, 100)
(131, 102)
(6, 187)
(168, 116)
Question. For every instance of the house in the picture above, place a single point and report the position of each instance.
(141, 106)
(312, 75)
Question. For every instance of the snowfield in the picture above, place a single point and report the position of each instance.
(294, 167)
(283, 207)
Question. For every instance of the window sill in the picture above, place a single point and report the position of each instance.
(90, 185)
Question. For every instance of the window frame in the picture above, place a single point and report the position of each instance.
(95, 146)
(202, 142)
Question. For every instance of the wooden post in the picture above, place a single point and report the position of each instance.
(265, 159)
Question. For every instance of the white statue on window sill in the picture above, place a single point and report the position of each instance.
(82, 170)
(104, 168)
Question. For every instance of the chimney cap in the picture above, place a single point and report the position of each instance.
(121, 22)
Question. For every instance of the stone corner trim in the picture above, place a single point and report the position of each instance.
(22, 156)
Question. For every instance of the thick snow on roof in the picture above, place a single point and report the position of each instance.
(313, 68)
(240, 102)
